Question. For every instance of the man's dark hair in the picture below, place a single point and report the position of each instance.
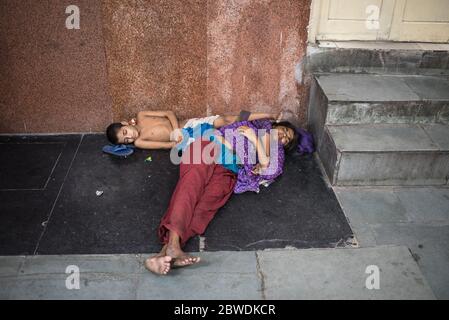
(291, 146)
(111, 132)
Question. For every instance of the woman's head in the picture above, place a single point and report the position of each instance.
(287, 135)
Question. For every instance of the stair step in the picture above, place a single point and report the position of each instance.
(371, 98)
(386, 154)
(381, 58)
(376, 87)
(341, 99)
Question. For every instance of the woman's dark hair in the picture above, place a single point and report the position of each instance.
(111, 132)
(291, 146)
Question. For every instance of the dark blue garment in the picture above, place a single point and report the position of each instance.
(120, 150)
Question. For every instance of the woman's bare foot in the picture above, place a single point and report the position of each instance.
(159, 264)
(181, 259)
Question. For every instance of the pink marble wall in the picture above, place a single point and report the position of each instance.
(156, 53)
(52, 79)
(255, 49)
(196, 57)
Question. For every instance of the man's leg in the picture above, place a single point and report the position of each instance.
(160, 263)
(174, 229)
(174, 249)
(188, 191)
(216, 193)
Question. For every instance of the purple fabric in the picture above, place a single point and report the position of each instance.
(246, 180)
(305, 144)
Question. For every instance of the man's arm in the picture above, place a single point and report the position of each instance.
(225, 120)
(163, 114)
(142, 144)
(258, 116)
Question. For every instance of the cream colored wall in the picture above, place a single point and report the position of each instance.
(394, 20)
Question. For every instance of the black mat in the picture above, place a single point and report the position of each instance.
(28, 166)
(297, 210)
(32, 172)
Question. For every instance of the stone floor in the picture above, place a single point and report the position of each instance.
(415, 217)
(403, 232)
(270, 274)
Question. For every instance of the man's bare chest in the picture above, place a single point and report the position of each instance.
(155, 130)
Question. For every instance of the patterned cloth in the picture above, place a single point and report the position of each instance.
(246, 180)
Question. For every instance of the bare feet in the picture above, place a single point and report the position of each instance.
(158, 264)
(181, 259)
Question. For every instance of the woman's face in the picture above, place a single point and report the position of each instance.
(285, 135)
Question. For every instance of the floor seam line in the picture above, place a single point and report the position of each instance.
(53, 169)
(261, 276)
(57, 196)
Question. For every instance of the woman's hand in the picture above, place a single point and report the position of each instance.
(257, 169)
(247, 132)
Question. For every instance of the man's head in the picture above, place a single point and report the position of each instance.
(121, 133)
(287, 135)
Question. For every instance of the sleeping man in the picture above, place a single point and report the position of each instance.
(161, 129)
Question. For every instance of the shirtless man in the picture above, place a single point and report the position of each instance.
(153, 129)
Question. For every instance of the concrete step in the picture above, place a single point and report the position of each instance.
(339, 99)
(386, 154)
(378, 57)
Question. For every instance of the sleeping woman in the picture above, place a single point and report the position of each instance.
(246, 154)
(261, 153)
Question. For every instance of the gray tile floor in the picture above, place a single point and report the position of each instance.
(342, 274)
(403, 232)
(415, 217)
(270, 274)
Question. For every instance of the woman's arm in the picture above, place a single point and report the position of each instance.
(277, 159)
(270, 164)
(263, 152)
